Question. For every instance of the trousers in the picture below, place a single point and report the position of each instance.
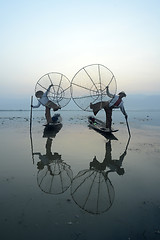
(108, 111)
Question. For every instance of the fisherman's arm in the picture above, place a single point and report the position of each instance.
(45, 94)
(36, 106)
(108, 93)
(123, 111)
(37, 153)
(122, 156)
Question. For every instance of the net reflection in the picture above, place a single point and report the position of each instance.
(92, 191)
(91, 188)
(54, 175)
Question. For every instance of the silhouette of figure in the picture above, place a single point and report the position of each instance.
(54, 175)
(115, 102)
(91, 189)
(47, 158)
(113, 164)
(44, 100)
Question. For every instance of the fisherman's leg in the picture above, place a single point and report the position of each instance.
(48, 115)
(108, 147)
(108, 155)
(52, 105)
(48, 147)
(97, 107)
(108, 112)
(109, 118)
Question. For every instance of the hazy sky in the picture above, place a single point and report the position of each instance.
(41, 36)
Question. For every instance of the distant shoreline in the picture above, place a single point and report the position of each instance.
(79, 110)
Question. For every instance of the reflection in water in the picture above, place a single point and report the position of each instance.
(91, 189)
(54, 175)
(51, 131)
(113, 164)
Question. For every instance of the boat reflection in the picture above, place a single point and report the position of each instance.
(91, 188)
(54, 175)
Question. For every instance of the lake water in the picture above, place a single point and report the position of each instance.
(74, 183)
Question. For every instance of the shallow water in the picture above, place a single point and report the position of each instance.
(53, 187)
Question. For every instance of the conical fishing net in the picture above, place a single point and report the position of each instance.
(92, 191)
(59, 93)
(89, 85)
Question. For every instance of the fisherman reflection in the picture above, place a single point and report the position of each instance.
(112, 164)
(91, 188)
(48, 158)
(54, 175)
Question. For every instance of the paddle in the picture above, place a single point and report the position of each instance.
(128, 127)
(31, 113)
(31, 130)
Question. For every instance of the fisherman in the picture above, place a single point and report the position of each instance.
(48, 158)
(43, 100)
(113, 164)
(115, 102)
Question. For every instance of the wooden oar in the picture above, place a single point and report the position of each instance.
(31, 130)
(128, 127)
(31, 113)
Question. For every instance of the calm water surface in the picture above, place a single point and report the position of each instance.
(74, 183)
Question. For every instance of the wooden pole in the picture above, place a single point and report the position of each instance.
(31, 114)
(128, 128)
(31, 130)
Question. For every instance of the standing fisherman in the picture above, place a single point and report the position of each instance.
(43, 100)
(115, 102)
